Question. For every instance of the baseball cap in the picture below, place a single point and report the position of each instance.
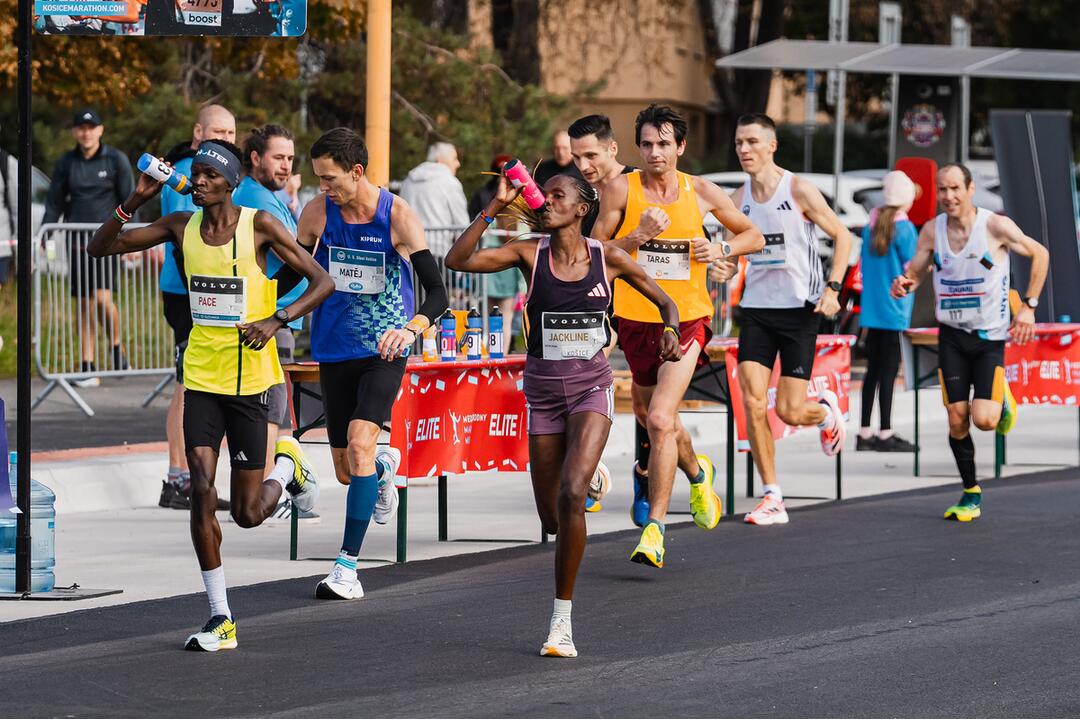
(86, 116)
(899, 190)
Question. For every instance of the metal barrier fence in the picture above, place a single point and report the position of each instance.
(108, 312)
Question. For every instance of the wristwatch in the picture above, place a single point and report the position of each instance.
(725, 248)
(283, 316)
(1031, 302)
(834, 286)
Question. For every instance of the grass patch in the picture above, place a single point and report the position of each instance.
(8, 329)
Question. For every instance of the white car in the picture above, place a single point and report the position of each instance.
(987, 186)
(849, 210)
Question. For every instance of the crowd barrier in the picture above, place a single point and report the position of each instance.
(75, 295)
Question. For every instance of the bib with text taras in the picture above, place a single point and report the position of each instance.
(573, 335)
(217, 301)
(200, 12)
(665, 259)
(773, 255)
(358, 271)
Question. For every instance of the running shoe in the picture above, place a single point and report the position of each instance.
(969, 506)
(560, 642)
(639, 509)
(1008, 410)
(894, 443)
(870, 444)
(705, 504)
(304, 487)
(592, 505)
(91, 382)
(219, 633)
(650, 551)
(770, 511)
(283, 514)
(832, 437)
(169, 490)
(600, 485)
(386, 504)
(340, 584)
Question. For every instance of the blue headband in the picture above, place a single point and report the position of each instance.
(221, 159)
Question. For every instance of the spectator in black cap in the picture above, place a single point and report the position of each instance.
(88, 182)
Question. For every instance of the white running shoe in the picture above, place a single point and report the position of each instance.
(387, 502)
(600, 485)
(769, 511)
(560, 642)
(340, 584)
(833, 436)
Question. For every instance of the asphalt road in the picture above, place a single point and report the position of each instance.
(871, 607)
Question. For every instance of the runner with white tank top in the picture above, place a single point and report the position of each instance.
(968, 249)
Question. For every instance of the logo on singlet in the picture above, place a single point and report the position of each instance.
(784, 206)
(745, 209)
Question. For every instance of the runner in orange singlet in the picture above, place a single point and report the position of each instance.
(656, 215)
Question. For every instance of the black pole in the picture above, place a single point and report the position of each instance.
(25, 153)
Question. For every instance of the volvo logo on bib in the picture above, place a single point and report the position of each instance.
(665, 259)
(217, 301)
(358, 271)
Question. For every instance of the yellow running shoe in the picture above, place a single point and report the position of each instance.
(705, 504)
(219, 633)
(969, 506)
(1008, 410)
(650, 551)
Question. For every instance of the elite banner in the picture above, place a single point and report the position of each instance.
(1046, 371)
(456, 417)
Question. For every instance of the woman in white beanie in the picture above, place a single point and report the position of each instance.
(888, 245)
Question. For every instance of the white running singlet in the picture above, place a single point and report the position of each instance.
(787, 272)
(972, 290)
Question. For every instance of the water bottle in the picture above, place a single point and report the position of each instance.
(42, 531)
(448, 336)
(429, 345)
(519, 177)
(160, 171)
(495, 333)
(474, 330)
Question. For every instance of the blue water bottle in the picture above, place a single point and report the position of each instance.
(495, 333)
(160, 171)
(448, 336)
(42, 533)
(474, 331)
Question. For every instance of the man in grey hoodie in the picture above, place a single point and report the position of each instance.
(433, 191)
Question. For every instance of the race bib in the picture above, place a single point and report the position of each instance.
(573, 335)
(959, 310)
(665, 259)
(358, 271)
(773, 255)
(206, 13)
(217, 301)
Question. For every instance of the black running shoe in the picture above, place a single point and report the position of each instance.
(168, 491)
(869, 444)
(894, 443)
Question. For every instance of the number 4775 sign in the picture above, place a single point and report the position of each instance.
(252, 18)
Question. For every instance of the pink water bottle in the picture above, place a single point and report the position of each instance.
(520, 178)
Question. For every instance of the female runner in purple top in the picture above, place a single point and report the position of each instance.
(568, 385)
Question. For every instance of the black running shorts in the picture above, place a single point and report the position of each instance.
(209, 417)
(792, 332)
(964, 360)
(362, 389)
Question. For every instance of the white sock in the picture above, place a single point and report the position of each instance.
(773, 490)
(214, 582)
(562, 609)
(828, 419)
(885, 434)
(866, 433)
(283, 471)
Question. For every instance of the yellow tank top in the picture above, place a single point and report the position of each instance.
(668, 259)
(226, 284)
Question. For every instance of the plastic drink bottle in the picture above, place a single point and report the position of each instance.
(495, 333)
(520, 178)
(448, 336)
(474, 330)
(430, 345)
(160, 171)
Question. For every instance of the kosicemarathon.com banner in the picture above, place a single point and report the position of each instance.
(253, 18)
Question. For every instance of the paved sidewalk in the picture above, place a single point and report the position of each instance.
(129, 543)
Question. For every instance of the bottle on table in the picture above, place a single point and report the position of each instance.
(448, 336)
(474, 330)
(495, 333)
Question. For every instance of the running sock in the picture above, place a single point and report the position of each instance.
(827, 421)
(359, 504)
(174, 475)
(658, 524)
(214, 582)
(562, 609)
(346, 561)
(885, 434)
(963, 450)
(700, 478)
(773, 490)
(641, 440)
(283, 471)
